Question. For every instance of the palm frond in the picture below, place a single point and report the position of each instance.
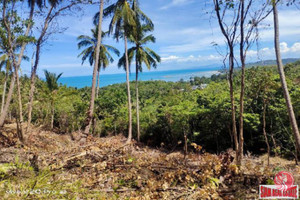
(149, 38)
(51, 80)
(153, 54)
(112, 49)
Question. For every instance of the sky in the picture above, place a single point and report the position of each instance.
(185, 32)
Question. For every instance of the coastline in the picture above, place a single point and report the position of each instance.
(169, 76)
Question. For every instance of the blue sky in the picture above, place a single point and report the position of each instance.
(184, 33)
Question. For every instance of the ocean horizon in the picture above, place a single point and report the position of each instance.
(109, 79)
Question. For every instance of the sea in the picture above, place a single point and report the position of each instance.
(109, 79)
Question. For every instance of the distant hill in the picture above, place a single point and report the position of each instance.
(272, 62)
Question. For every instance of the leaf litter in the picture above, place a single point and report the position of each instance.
(108, 168)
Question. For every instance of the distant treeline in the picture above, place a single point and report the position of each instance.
(170, 110)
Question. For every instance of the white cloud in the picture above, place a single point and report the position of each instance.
(269, 53)
(191, 58)
(195, 38)
(284, 47)
(295, 47)
(169, 58)
(252, 55)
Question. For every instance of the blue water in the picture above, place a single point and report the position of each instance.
(108, 79)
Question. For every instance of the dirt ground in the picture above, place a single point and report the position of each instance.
(52, 166)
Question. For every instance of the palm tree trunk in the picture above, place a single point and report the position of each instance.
(264, 131)
(98, 83)
(128, 93)
(241, 120)
(94, 121)
(4, 90)
(93, 92)
(16, 64)
(283, 80)
(137, 101)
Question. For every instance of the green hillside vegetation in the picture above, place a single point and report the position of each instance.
(168, 110)
(272, 62)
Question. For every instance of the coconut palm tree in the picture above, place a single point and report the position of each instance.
(121, 25)
(93, 92)
(142, 55)
(52, 85)
(288, 101)
(89, 52)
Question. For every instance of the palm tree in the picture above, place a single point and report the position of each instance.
(96, 65)
(282, 78)
(89, 52)
(52, 85)
(142, 55)
(121, 25)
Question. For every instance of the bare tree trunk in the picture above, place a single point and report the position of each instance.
(16, 64)
(52, 117)
(137, 101)
(19, 98)
(19, 131)
(185, 149)
(230, 39)
(93, 92)
(274, 143)
(243, 65)
(233, 110)
(283, 80)
(32, 88)
(35, 66)
(8, 99)
(231, 136)
(296, 155)
(264, 131)
(4, 90)
(128, 93)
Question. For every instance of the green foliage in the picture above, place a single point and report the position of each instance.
(89, 53)
(141, 53)
(169, 110)
(51, 80)
(16, 26)
(20, 181)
